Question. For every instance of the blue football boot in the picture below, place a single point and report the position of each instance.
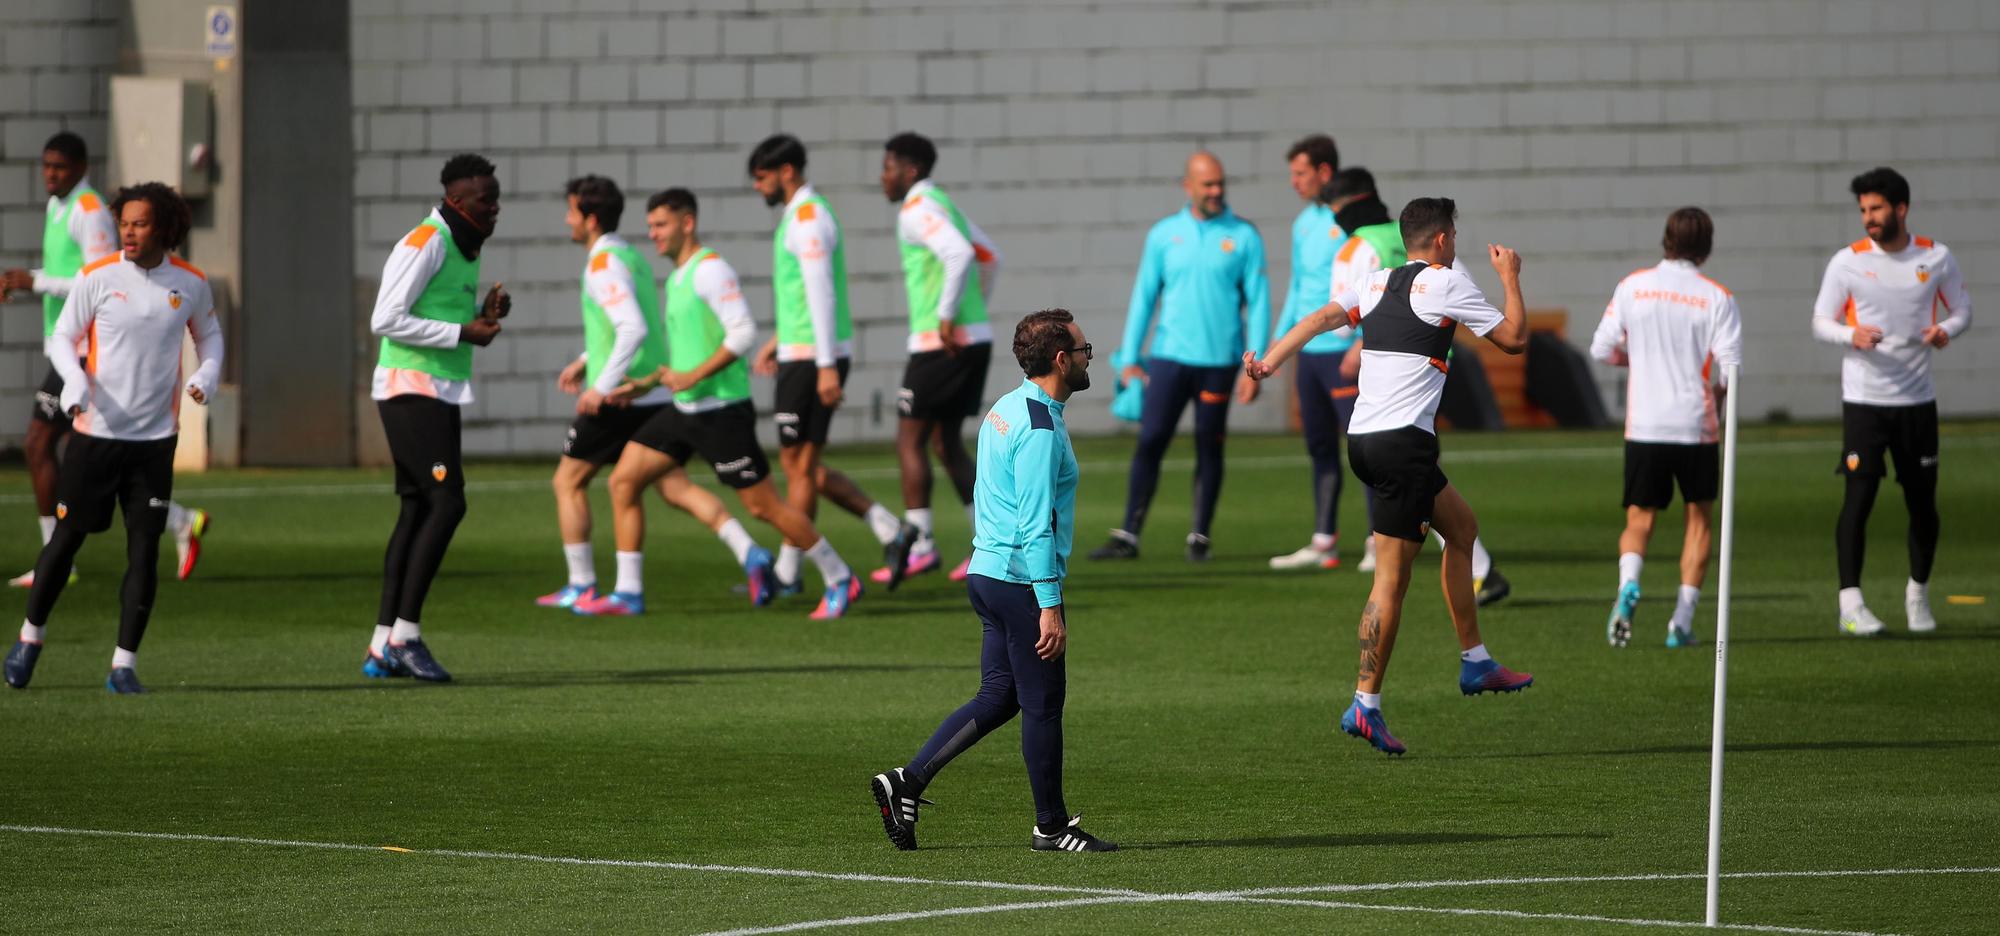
(415, 658)
(124, 681)
(1367, 724)
(762, 576)
(1489, 676)
(21, 663)
(1618, 629)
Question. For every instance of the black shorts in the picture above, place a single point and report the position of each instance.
(424, 442)
(601, 438)
(137, 477)
(801, 417)
(726, 438)
(1653, 468)
(48, 403)
(1908, 433)
(944, 385)
(1401, 467)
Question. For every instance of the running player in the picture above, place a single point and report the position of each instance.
(429, 323)
(1411, 311)
(949, 266)
(1375, 242)
(1326, 396)
(1880, 300)
(623, 336)
(1671, 326)
(811, 352)
(709, 330)
(1202, 272)
(77, 230)
(1027, 518)
(129, 310)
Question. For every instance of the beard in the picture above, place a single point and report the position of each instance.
(1078, 378)
(775, 199)
(1890, 230)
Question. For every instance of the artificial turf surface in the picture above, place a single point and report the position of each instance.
(1199, 724)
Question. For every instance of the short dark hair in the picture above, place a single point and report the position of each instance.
(914, 149)
(1355, 181)
(464, 166)
(70, 146)
(1423, 218)
(171, 215)
(1039, 337)
(1319, 148)
(598, 197)
(1882, 181)
(780, 150)
(1690, 235)
(676, 200)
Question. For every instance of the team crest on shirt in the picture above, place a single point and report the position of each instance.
(1228, 245)
(62, 510)
(1333, 232)
(1923, 273)
(174, 298)
(1853, 461)
(438, 471)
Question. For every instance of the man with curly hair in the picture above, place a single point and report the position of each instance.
(128, 310)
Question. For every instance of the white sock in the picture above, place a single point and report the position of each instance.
(582, 564)
(48, 528)
(1475, 655)
(1683, 619)
(831, 568)
(380, 641)
(122, 658)
(882, 522)
(406, 631)
(1850, 600)
(631, 572)
(736, 538)
(179, 518)
(920, 517)
(30, 633)
(1917, 591)
(1629, 565)
(788, 562)
(1369, 699)
(1323, 542)
(1482, 561)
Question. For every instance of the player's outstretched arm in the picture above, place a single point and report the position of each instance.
(1329, 317)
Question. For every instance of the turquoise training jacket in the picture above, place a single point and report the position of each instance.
(1024, 501)
(1315, 240)
(1200, 276)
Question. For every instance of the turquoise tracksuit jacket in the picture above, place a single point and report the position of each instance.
(1200, 276)
(1024, 501)
(1315, 239)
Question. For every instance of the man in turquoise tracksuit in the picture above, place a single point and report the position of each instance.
(1025, 503)
(1202, 269)
(1326, 397)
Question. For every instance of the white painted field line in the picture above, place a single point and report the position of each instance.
(1593, 879)
(930, 915)
(194, 493)
(591, 862)
(1563, 917)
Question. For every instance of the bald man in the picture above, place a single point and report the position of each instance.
(1201, 274)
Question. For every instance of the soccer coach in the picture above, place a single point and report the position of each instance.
(1025, 506)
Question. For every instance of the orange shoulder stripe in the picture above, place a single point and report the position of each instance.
(1347, 250)
(1725, 289)
(420, 236)
(600, 261)
(191, 268)
(1863, 245)
(1926, 243)
(101, 262)
(88, 201)
(807, 212)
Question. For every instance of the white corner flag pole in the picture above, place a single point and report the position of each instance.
(1730, 375)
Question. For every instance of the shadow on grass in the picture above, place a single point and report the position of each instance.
(1766, 747)
(547, 680)
(1833, 636)
(1598, 600)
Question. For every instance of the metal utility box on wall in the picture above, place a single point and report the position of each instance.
(160, 132)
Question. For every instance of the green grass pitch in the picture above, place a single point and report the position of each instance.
(685, 755)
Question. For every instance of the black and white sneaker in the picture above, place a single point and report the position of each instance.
(1072, 838)
(899, 801)
(414, 658)
(1121, 545)
(1197, 548)
(896, 553)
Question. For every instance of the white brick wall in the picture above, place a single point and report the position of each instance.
(1567, 129)
(55, 59)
